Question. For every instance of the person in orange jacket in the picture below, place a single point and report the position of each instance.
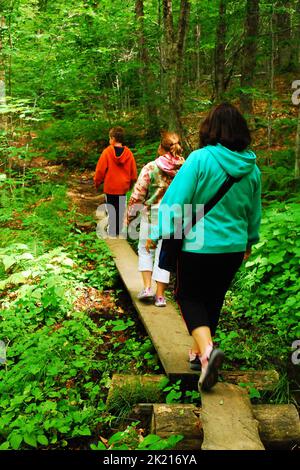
(116, 168)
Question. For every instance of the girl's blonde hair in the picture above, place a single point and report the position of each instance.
(170, 141)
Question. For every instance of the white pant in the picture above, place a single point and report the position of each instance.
(149, 261)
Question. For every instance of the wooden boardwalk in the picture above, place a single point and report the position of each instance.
(164, 326)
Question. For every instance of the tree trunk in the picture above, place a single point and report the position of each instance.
(161, 50)
(147, 81)
(296, 101)
(297, 150)
(169, 62)
(174, 47)
(182, 32)
(296, 42)
(271, 78)
(284, 36)
(198, 42)
(279, 426)
(3, 119)
(249, 55)
(220, 52)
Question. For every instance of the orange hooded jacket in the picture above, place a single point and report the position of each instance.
(118, 173)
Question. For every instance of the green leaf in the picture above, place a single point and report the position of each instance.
(63, 429)
(150, 439)
(8, 261)
(15, 440)
(276, 258)
(4, 446)
(26, 256)
(48, 406)
(30, 439)
(53, 439)
(84, 431)
(99, 446)
(254, 393)
(173, 396)
(19, 278)
(116, 438)
(173, 440)
(42, 439)
(120, 325)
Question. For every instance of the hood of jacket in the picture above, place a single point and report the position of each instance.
(236, 164)
(169, 163)
(122, 158)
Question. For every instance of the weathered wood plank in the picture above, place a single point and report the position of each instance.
(135, 384)
(279, 425)
(227, 419)
(164, 326)
(168, 420)
(261, 379)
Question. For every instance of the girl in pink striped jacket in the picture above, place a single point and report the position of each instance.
(153, 181)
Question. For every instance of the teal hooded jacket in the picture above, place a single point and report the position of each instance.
(232, 225)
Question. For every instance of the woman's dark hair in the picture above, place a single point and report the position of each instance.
(225, 125)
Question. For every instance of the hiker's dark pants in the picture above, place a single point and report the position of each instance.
(202, 282)
(115, 207)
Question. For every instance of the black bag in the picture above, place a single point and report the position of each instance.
(171, 248)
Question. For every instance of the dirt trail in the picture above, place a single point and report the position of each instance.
(82, 192)
(81, 189)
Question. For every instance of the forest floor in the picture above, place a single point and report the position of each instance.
(81, 189)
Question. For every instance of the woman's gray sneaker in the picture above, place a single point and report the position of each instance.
(209, 374)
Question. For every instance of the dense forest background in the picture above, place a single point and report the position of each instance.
(70, 70)
(73, 69)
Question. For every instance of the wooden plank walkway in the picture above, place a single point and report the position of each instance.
(164, 326)
(228, 420)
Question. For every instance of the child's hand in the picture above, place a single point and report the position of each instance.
(247, 254)
(150, 245)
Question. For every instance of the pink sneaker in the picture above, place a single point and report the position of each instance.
(194, 359)
(146, 295)
(160, 302)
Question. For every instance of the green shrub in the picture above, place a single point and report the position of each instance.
(264, 303)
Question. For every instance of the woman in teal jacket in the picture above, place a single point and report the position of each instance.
(214, 249)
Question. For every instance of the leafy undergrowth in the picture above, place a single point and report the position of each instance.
(261, 319)
(63, 326)
(68, 326)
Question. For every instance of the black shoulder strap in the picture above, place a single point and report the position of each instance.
(230, 180)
